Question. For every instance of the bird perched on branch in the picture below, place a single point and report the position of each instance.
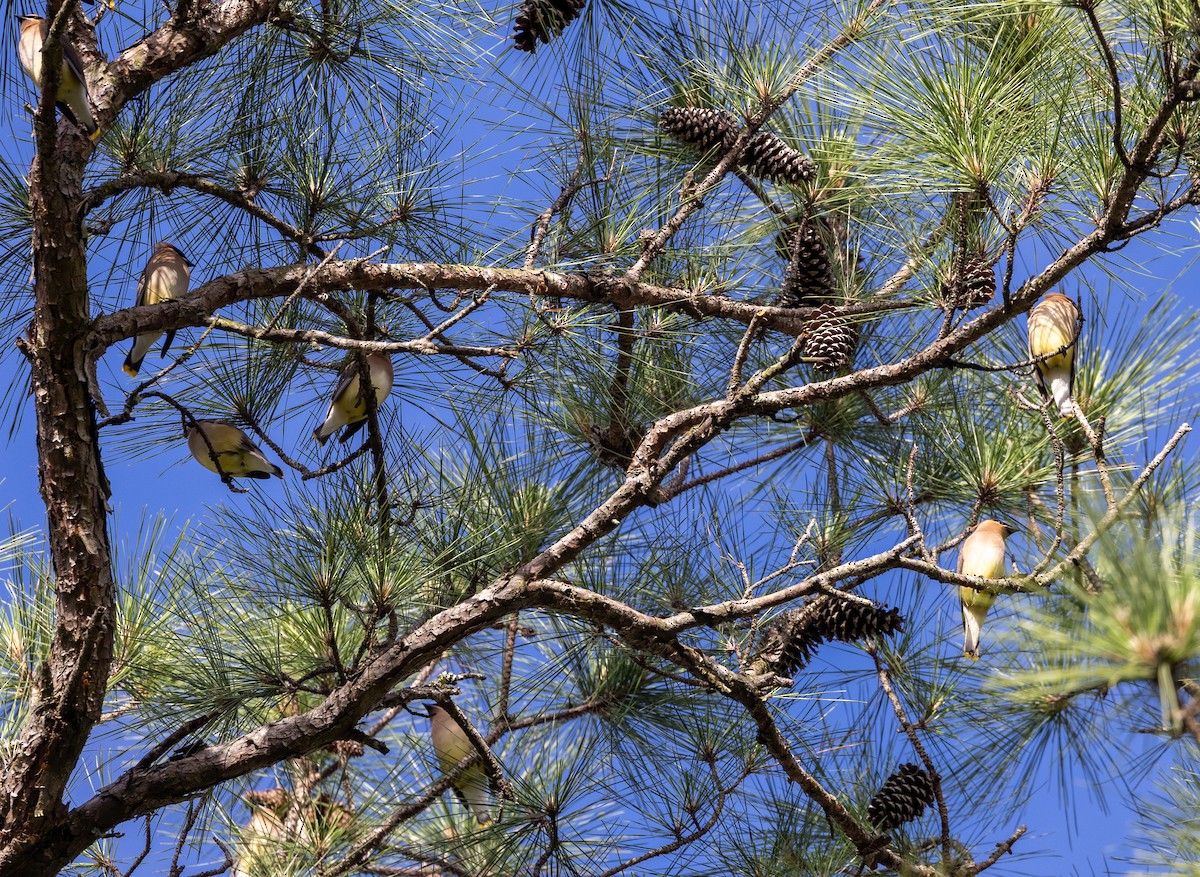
(452, 745)
(165, 277)
(239, 457)
(1054, 325)
(72, 97)
(982, 554)
(348, 406)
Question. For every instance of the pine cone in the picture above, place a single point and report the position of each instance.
(973, 286)
(790, 643)
(616, 454)
(808, 280)
(543, 20)
(830, 341)
(348, 748)
(767, 156)
(903, 798)
(272, 799)
(699, 128)
(848, 620)
(787, 646)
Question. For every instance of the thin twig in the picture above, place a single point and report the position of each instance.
(1059, 491)
(618, 400)
(136, 394)
(1096, 440)
(693, 199)
(144, 853)
(1112, 514)
(541, 225)
(682, 840)
(782, 451)
(510, 648)
(299, 290)
(739, 358)
(1001, 848)
(910, 730)
(483, 752)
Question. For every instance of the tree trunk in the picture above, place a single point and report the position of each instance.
(71, 684)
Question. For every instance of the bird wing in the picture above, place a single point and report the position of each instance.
(180, 254)
(141, 287)
(1040, 382)
(349, 373)
(1077, 330)
(248, 447)
(71, 57)
(958, 568)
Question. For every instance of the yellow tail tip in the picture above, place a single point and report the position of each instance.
(132, 372)
(96, 135)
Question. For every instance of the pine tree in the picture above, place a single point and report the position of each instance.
(633, 468)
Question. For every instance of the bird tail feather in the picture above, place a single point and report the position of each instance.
(972, 627)
(1060, 386)
(473, 792)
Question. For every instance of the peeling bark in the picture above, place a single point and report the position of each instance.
(75, 492)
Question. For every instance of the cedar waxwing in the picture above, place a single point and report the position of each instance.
(1054, 323)
(240, 457)
(165, 277)
(452, 745)
(260, 841)
(348, 406)
(282, 828)
(982, 554)
(72, 97)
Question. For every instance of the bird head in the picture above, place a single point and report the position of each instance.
(988, 525)
(163, 246)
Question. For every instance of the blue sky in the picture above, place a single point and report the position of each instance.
(1066, 820)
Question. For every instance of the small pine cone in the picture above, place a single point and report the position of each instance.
(701, 129)
(903, 798)
(787, 645)
(848, 620)
(272, 799)
(973, 287)
(616, 454)
(767, 156)
(830, 341)
(808, 280)
(542, 20)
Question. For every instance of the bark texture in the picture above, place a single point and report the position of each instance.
(72, 683)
